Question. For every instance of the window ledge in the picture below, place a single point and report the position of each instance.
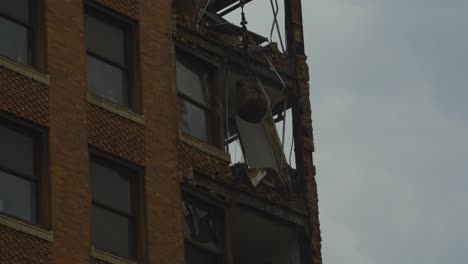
(116, 109)
(27, 228)
(109, 258)
(189, 140)
(24, 70)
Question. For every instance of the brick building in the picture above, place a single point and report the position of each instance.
(118, 120)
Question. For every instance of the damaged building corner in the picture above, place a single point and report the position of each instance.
(234, 88)
(152, 131)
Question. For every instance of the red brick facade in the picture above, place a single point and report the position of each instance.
(75, 123)
(13, 243)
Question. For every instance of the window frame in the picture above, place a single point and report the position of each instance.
(197, 198)
(130, 68)
(214, 129)
(39, 136)
(134, 173)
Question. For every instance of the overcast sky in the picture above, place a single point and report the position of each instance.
(389, 92)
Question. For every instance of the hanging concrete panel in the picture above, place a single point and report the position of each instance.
(258, 149)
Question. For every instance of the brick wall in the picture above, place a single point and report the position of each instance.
(115, 134)
(75, 124)
(192, 159)
(125, 7)
(17, 247)
(165, 239)
(24, 97)
(70, 191)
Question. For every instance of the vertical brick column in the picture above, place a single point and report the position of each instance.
(164, 220)
(307, 150)
(70, 194)
(302, 120)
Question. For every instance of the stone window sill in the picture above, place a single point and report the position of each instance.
(109, 258)
(26, 228)
(213, 151)
(116, 109)
(24, 70)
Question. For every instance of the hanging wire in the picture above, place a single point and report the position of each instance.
(275, 9)
(203, 11)
(291, 149)
(226, 109)
(245, 34)
(272, 67)
(282, 138)
(235, 151)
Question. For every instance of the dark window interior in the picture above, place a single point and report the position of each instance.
(203, 232)
(112, 232)
(113, 208)
(107, 81)
(256, 238)
(18, 9)
(195, 255)
(105, 39)
(194, 120)
(104, 176)
(16, 30)
(18, 173)
(106, 43)
(17, 151)
(194, 81)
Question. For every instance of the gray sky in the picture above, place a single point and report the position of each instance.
(389, 92)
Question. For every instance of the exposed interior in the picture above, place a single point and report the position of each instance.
(254, 86)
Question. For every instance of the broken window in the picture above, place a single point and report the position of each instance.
(217, 234)
(194, 81)
(203, 232)
(234, 148)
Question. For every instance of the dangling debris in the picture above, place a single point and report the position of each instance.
(252, 101)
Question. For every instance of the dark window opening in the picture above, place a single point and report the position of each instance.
(19, 172)
(194, 85)
(258, 239)
(17, 31)
(113, 207)
(108, 50)
(203, 232)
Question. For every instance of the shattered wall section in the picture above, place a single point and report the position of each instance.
(222, 41)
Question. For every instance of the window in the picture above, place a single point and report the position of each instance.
(203, 232)
(194, 81)
(258, 238)
(108, 58)
(16, 30)
(113, 207)
(19, 172)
